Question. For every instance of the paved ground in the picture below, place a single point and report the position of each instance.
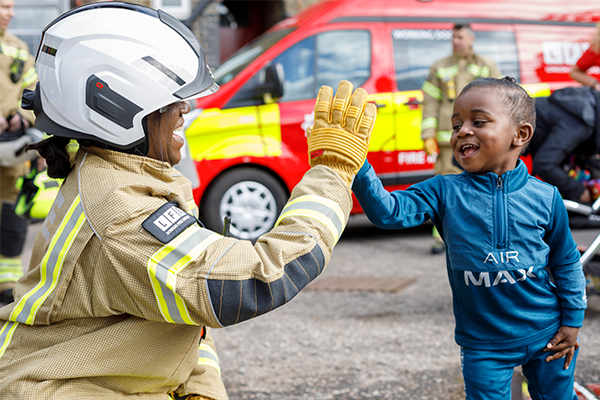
(367, 345)
(358, 345)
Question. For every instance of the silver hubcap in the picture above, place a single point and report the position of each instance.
(252, 209)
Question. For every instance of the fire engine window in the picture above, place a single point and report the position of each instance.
(501, 47)
(343, 55)
(415, 50)
(336, 55)
(298, 64)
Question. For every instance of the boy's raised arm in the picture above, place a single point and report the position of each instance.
(400, 208)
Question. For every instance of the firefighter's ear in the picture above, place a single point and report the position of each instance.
(523, 134)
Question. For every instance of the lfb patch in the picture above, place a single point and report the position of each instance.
(167, 222)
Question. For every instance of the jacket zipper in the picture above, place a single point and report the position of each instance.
(500, 222)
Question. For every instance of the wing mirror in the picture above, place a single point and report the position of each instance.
(273, 83)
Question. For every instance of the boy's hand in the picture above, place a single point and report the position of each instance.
(342, 129)
(564, 343)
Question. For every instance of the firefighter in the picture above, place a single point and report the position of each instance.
(123, 278)
(447, 77)
(16, 73)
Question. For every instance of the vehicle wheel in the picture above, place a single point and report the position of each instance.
(251, 197)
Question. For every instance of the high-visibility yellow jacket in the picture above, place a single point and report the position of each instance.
(447, 78)
(17, 72)
(122, 280)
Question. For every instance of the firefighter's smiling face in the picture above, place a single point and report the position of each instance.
(7, 12)
(165, 131)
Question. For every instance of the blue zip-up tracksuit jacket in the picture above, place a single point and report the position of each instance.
(504, 236)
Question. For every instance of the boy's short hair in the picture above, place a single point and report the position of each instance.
(520, 105)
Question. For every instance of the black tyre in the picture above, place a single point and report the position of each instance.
(251, 197)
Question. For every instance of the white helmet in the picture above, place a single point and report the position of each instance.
(13, 152)
(105, 66)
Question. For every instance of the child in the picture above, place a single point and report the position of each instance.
(517, 282)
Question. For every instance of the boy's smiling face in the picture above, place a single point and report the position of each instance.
(484, 136)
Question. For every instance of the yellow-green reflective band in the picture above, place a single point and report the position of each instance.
(51, 265)
(14, 52)
(444, 136)
(319, 208)
(447, 73)
(6, 334)
(430, 122)
(10, 263)
(432, 90)
(166, 263)
(29, 77)
(10, 277)
(11, 269)
(207, 356)
(478, 71)
(22, 55)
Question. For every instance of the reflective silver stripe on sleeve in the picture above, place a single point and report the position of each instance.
(319, 208)
(167, 262)
(432, 90)
(6, 335)
(430, 122)
(207, 356)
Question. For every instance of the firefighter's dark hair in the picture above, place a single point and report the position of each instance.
(520, 105)
(459, 26)
(54, 150)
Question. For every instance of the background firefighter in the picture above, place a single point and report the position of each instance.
(447, 78)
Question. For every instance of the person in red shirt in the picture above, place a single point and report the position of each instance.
(590, 58)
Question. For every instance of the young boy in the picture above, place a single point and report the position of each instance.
(517, 282)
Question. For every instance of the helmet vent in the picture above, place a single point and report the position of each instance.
(164, 69)
(110, 104)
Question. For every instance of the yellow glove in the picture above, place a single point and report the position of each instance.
(340, 136)
(430, 146)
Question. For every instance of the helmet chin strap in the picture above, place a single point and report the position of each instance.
(143, 148)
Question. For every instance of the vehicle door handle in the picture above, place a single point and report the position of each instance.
(378, 105)
(413, 102)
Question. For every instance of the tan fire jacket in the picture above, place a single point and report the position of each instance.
(447, 78)
(8, 178)
(122, 279)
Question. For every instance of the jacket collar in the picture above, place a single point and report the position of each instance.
(133, 163)
(469, 57)
(512, 180)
